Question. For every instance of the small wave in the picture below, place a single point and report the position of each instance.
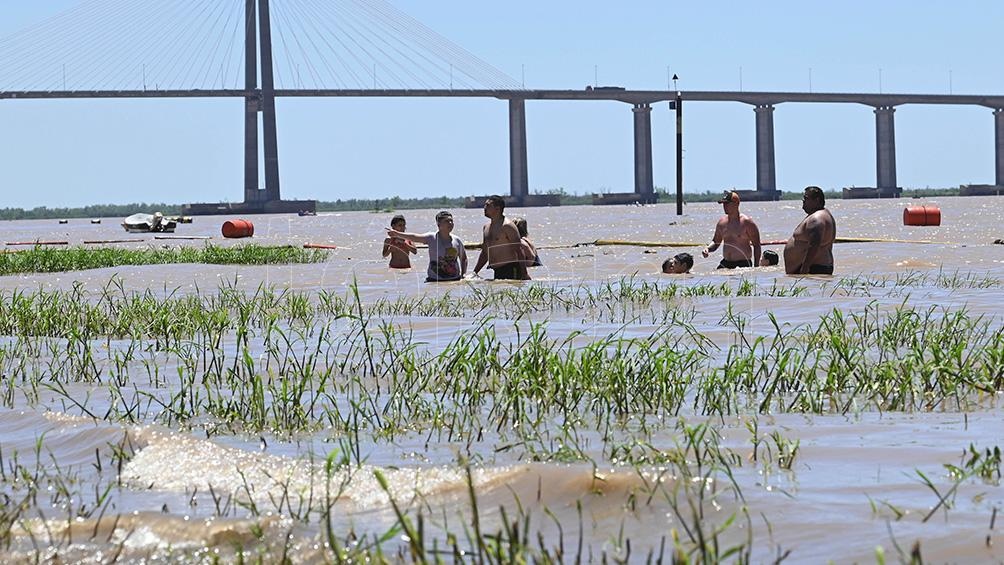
(180, 463)
(70, 440)
(143, 536)
(915, 264)
(175, 462)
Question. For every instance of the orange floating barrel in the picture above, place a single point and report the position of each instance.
(922, 216)
(238, 228)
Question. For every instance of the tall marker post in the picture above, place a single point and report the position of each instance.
(678, 104)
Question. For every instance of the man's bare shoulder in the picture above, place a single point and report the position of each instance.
(819, 218)
(746, 220)
(823, 215)
(510, 230)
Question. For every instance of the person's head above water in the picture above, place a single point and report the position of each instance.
(813, 199)
(730, 199)
(769, 258)
(520, 226)
(678, 264)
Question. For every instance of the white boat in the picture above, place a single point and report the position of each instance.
(145, 223)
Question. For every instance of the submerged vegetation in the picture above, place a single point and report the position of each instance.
(276, 361)
(479, 371)
(40, 259)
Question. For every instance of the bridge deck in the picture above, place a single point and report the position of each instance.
(626, 96)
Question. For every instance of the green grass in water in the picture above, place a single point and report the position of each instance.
(48, 260)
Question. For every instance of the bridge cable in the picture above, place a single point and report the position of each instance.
(441, 73)
(32, 69)
(204, 68)
(338, 39)
(317, 72)
(361, 40)
(278, 32)
(369, 24)
(138, 29)
(193, 44)
(428, 70)
(462, 58)
(288, 20)
(220, 50)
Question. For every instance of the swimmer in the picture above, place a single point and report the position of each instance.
(398, 248)
(739, 233)
(809, 251)
(529, 249)
(769, 258)
(678, 264)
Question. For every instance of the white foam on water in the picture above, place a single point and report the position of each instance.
(181, 463)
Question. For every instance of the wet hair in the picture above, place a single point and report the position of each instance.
(685, 258)
(396, 219)
(770, 256)
(444, 215)
(816, 192)
(520, 226)
(497, 201)
(681, 258)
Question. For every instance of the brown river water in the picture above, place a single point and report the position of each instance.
(856, 484)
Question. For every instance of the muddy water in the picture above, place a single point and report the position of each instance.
(855, 485)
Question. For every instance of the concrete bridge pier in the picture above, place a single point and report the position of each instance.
(270, 142)
(251, 191)
(997, 188)
(885, 152)
(251, 104)
(257, 44)
(519, 186)
(644, 186)
(766, 169)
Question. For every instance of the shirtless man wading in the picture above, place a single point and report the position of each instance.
(501, 248)
(810, 248)
(739, 234)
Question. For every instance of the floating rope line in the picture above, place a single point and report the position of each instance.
(601, 242)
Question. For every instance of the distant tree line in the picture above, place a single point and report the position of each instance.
(398, 203)
(393, 203)
(93, 211)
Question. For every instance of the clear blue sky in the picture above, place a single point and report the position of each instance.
(57, 153)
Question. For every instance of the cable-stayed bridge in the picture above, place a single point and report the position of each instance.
(260, 50)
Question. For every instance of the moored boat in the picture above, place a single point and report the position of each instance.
(145, 223)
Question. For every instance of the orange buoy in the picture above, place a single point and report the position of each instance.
(238, 228)
(922, 216)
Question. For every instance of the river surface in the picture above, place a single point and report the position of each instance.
(863, 480)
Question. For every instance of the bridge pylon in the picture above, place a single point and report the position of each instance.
(259, 99)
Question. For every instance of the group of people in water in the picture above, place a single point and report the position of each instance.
(809, 250)
(506, 249)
